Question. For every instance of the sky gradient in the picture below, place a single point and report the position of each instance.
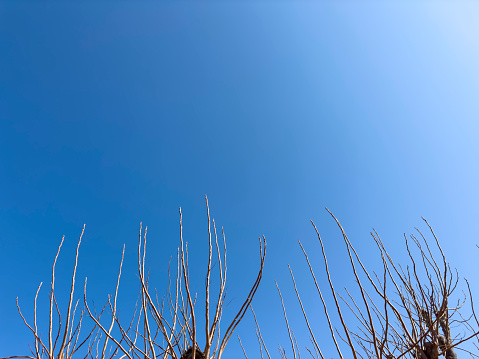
(116, 113)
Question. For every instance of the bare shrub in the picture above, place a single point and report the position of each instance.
(158, 329)
(403, 313)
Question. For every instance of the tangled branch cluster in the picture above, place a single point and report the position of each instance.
(154, 331)
(405, 313)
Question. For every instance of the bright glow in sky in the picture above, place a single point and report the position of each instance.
(112, 113)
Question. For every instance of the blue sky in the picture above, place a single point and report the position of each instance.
(112, 113)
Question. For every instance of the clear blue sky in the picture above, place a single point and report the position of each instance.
(112, 113)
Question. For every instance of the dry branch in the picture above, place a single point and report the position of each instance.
(172, 336)
(410, 317)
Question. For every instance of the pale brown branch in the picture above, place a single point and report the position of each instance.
(346, 330)
(244, 352)
(237, 319)
(67, 322)
(286, 320)
(187, 285)
(29, 327)
(113, 314)
(100, 326)
(50, 328)
(259, 332)
(304, 314)
(361, 288)
(35, 321)
(207, 300)
(322, 301)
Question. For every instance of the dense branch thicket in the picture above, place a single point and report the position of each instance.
(403, 313)
(159, 328)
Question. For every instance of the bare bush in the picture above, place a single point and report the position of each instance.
(164, 328)
(403, 313)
